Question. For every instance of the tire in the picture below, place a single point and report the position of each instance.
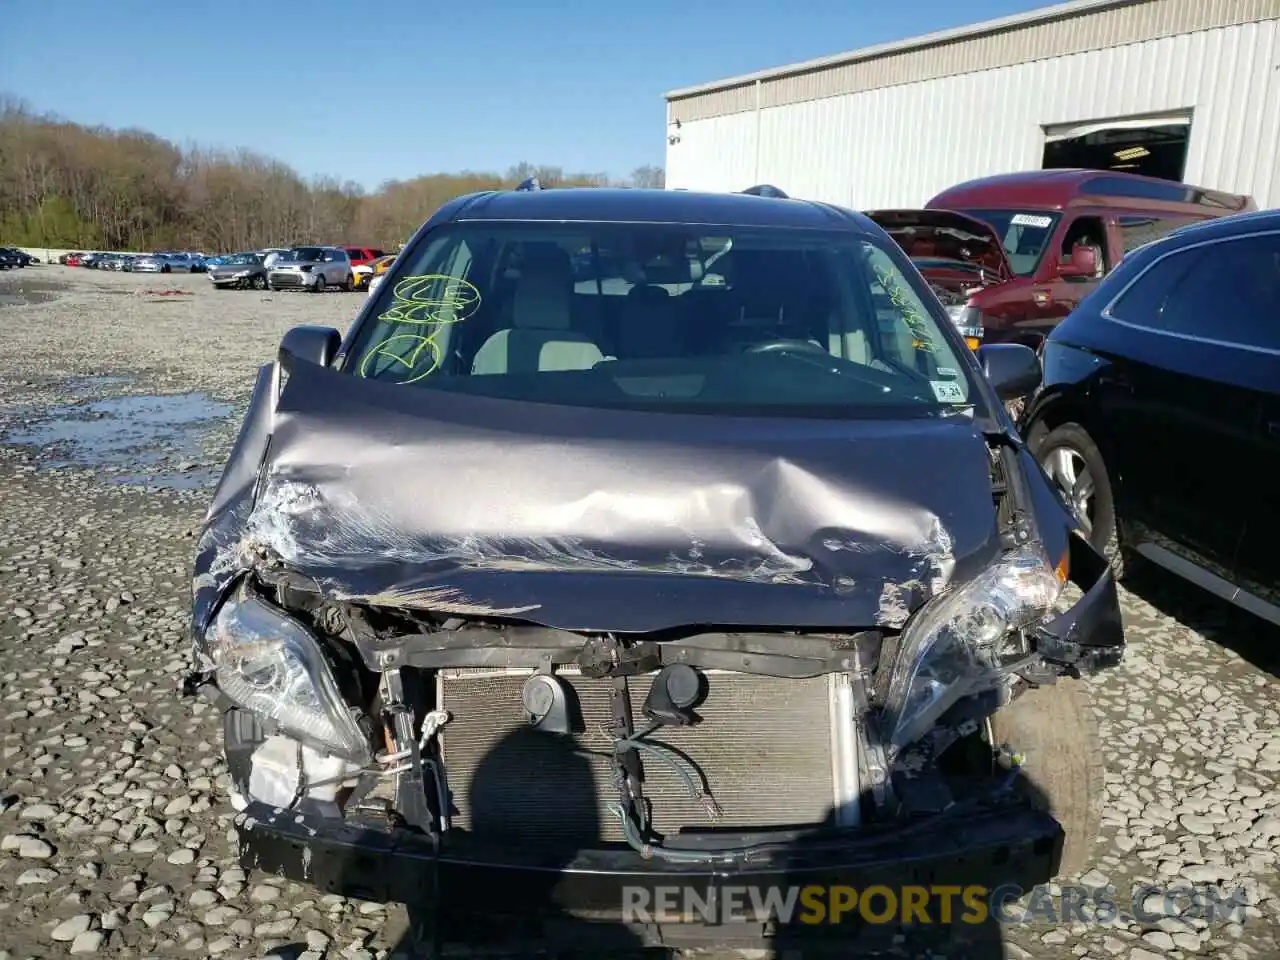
(1056, 731)
(1072, 441)
(347, 283)
(258, 282)
(165, 270)
(319, 285)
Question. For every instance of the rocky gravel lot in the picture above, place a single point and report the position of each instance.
(117, 404)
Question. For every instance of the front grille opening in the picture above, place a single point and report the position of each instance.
(764, 747)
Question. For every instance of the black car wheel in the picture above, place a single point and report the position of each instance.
(319, 285)
(1074, 464)
(164, 269)
(258, 282)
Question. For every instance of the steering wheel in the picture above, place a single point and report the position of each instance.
(788, 346)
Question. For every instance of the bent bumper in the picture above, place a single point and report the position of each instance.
(999, 849)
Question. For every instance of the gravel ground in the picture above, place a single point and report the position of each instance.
(115, 826)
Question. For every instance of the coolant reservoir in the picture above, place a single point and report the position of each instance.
(280, 764)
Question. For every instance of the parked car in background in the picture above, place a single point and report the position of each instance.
(17, 258)
(1061, 231)
(1159, 417)
(959, 255)
(242, 271)
(9, 259)
(311, 268)
(270, 255)
(152, 263)
(183, 263)
(491, 429)
(364, 270)
(360, 255)
(378, 270)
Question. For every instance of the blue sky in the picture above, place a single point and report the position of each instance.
(371, 90)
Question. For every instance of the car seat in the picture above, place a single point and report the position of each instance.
(541, 337)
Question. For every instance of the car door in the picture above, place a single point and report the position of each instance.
(341, 266)
(1257, 305)
(1183, 405)
(1056, 295)
(329, 266)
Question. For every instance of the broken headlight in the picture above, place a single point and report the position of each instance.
(271, 665)
(951, 648)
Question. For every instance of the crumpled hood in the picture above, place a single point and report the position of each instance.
(595, 519)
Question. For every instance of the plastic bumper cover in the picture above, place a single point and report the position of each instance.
(998, 847)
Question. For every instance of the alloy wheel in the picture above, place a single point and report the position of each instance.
(1067, 469)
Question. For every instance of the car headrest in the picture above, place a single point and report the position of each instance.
(542, 295)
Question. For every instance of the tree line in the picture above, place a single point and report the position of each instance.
(68, 185)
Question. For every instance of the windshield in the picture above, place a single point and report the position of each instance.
(665, 317)
(239, 259)
(304, 254)
(1025, 233)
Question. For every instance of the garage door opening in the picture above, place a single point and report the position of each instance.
(1152, 146)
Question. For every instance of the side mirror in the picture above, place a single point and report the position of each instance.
(1082, 264)
(318, 345)
(1013, 369)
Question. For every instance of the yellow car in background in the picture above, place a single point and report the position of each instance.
(377, 269)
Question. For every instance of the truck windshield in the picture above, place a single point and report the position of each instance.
(1025, 234)
(666, 317)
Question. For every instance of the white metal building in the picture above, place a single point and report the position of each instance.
(1186, 89)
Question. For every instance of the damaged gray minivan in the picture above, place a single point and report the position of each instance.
(635, 538)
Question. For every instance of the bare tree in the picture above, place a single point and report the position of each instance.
(649, 176)
(65, 184)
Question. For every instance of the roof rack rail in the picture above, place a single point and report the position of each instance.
(766, 190)
(532, 183)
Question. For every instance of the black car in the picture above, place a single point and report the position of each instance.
(1159, 417)
(702, 564)
(13, 257)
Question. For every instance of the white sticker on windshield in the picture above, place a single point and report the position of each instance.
(1030, 220)
(947, 391)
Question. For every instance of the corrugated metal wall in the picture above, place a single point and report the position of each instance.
(900, 145)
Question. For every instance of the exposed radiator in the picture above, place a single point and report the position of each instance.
(764, 747)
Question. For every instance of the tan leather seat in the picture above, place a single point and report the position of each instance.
(540, 338)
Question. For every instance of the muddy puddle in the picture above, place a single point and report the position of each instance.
(149, 440)
(19, 289)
